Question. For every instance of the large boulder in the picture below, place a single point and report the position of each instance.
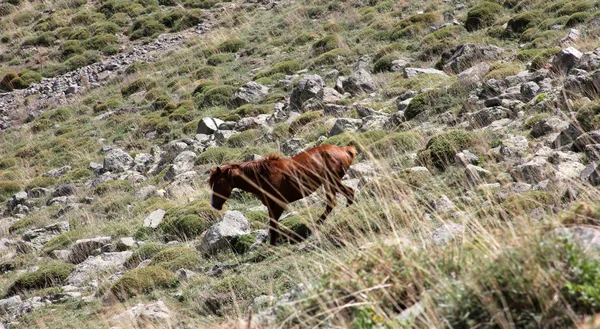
(467, 55)
(93, 267)
(309, 87)
(589, 138)
(532, 172)
(207, 126)
(219, 235)
(359, 82)
(250, 92)
(117, 161)
(567, 136)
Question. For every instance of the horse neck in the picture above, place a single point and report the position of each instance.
(246, 183)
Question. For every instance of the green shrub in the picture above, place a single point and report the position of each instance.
(218, 155)
(325, 44)
(577, 18)
(572, 7)
(48, 275)
(146, 27)
(141, 281)
(521, 22)
(443, 39)
(397, 143)
(303, 120)
(79, 34)
(384, 63)
(71, 47)
(502, 70)
(6, 9)
(541, 59)
(24, 17)
(205, 72)
(175, 258)
(441, 149)
(329, 58)
(137, 85)
(531, 121)
(253, 110)
(189, 221)
(163, 103)
(362, 141)
(87, 18)
(231, 46)
(146, 251)
(30, 77)
(522, 204)
(40, 182)
(113, 186)
(62, 241)
(104, 28)
(588, 116)
(285, 67)
(215, 96)
(106, 43)
(242, 243)
(244, 139)
(155, 122)
(435, 100)
(6, 163)
(8, 188)
(5, 83)
(295, 227)
(217, 59)
(482, 15)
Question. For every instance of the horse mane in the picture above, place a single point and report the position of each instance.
(260, 167)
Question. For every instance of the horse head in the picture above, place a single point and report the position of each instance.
(221, 185)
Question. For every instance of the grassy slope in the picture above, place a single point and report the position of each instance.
(452, 280)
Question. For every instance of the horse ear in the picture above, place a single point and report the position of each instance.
(218, 170)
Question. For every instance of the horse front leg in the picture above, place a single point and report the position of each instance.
(274, 214)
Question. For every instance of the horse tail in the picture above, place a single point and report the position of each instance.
(351, 150)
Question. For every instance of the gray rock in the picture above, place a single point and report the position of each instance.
(488, 115)
(250, 92)
(374, 122)
(359, 82)
(477, 175)
(567, 136)
(155, 218)
(529, 90)
(156, 315)
(442, 205)
(548, 126)
(219, 235)
(182, 163)
(571, 37)
(566, 59)
(145, 192)
(532, 172)
(221, 136)
(248, 123)
(143, 162)
(466, 55)
(399, 65)
(64, 190)
(38, 192)
(588, 238)
(361, 169)
(117, 161)
(55, 173)
(474, 74)
(308, 87)
(592, 137)
(592, 152)
(182, 185)
(185, 274)
(343, 125)
(93, 267)
(569, 170)
(336, 110)
(44, 234)
(18, 199)
(408, 315)
(331, 95)
(61, 254)
(401, 105)
(465, 158)
(10, 306)
(447, 233)
(84, 247)
(513, 148)
(293, 146)
(411, 72)
(208, 126)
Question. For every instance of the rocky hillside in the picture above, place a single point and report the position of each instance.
(477, 125)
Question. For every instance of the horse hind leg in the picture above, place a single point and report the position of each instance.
(348, 193)
(274, 214)
(331, 203)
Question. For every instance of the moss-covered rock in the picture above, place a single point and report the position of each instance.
(433, 101)
(327, 43)
(285, 67)
(437, 42)
(521, 22)
(242, 243)
(48, 275)
(397, 143)
(482, 15)
(175, 258)
(441, 149)
(146, 251)
(143, 280)
(303, 120)
(113, 186)
(63, 241)
(295, 227)
(218, 155)
(578, 18)
(541, 59)
(215, 96)
(243, 139)
(138, 85)
(189, 221)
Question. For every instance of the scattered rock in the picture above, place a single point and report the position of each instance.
(447, 233)
(308, 87)
(156, 315)
(117, 161)
(250, 92)
(55, 173)
(411, 72)
(83, 248)
(155, 218)
(566, 59)
(218, 236)
(466, 55)
(343, 125)
(44, 234)
(93, 267)
(208, 126)
(359, 82)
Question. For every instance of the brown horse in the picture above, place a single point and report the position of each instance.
(279, 181)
